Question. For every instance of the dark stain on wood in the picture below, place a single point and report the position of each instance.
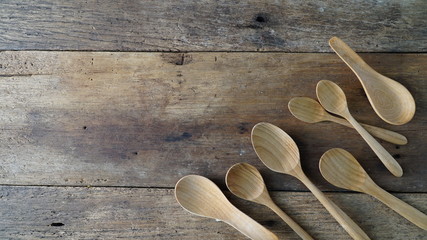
(57, 224)
(177, 58)
(175, 138)
(243, 127)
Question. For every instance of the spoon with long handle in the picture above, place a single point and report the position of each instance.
(276, 149)
(390, 99)
(309, 110)
(341, 169)
(200, 196)
(333, 99)
(246, 182)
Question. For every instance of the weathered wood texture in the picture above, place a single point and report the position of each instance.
(291, 26)
(132, 213)
(147, 119)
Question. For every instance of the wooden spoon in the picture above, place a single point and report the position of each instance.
(309, 110)
(245, 181)
(390, 99)
(333, 99)
(278, 151)
(341, 169)
(200, 196)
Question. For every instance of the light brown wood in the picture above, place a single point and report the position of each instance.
(309, 110)
(390, 99)
(246, 182)
(202, 197)
(277, 150)
(143, 119)
(341, 169)
(333, 99)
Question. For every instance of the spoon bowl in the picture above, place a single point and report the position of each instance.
(390, 100)
(276, 149)
(245, 181)
(341, 169)
(193, 192)
(200, 196)
(307, 110)
(332, 97)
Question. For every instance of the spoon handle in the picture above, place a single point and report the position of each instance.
(342, 218)
(249, 227)
(389, 162)
(405, 210)
(288, 220)
(350, 57)
(381, 133)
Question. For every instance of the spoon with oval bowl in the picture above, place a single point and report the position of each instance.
(341, 169)
(309, 110)
(200, 196)
(333, 99)
(246, 182)
(391, 100)
(276, 149)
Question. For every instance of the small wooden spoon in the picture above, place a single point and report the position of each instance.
(333, 99)
(245, 181)
(200, 196)
(278, 151)
(309, 110)
(341, 169)
(390, 99)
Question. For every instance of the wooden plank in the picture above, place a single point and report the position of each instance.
(147, 119)
(132, 213)
(290, 26)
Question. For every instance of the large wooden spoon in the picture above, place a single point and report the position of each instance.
(309, 110)
(341, 169)
(390, 99)
(278, 151)
(246, 182)
(202, 197)
(333, 99)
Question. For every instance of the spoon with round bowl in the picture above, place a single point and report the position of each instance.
(246, 182)
(391, 100)
(200, 196)
(341, 169)
(278, 151)
(309, 110)
(333, 99)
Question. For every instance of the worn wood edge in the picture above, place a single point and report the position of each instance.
(152, 213)
(387, 26)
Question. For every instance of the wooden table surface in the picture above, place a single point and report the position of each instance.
(105, 105)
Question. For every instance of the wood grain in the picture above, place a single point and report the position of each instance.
(135, 213)
(147, 119)
(254, 25)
